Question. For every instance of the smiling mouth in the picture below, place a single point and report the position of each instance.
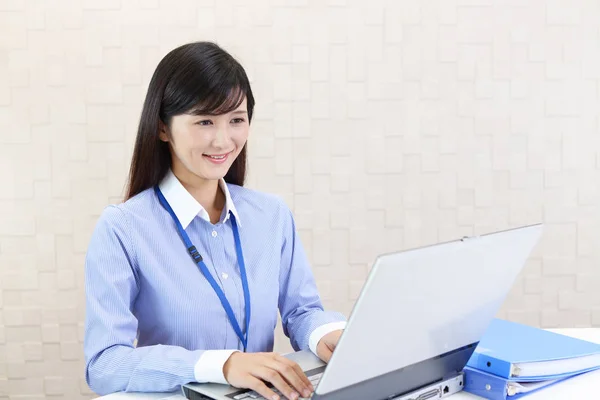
(217, 158)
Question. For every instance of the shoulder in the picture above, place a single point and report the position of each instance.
(120, 216)
(119, 224)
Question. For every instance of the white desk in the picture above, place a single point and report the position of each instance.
(581, 387)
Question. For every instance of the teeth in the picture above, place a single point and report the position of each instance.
(217, 157)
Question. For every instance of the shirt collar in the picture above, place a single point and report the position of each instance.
(185, 207)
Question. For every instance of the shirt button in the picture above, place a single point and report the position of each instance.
(214, 233)
(224, 275)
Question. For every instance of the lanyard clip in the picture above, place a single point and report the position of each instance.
(194, 253)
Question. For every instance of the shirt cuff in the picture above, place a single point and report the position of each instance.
(209, 368)
(321, 331)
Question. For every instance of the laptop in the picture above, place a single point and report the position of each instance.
(416, 323)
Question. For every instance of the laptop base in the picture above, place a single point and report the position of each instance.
(440, 390)
(434, 378)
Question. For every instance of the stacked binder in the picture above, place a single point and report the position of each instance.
(513, 360)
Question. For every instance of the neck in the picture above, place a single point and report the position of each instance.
(205, 191)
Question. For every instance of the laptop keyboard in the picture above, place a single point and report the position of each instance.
(314, 379)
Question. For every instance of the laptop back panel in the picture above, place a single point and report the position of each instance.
(422, 312)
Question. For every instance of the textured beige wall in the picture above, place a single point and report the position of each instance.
(384, 124)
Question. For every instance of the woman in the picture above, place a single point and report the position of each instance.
(193, 265)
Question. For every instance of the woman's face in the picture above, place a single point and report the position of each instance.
(207, 145)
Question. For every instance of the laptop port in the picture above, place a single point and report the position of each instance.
(428, 395)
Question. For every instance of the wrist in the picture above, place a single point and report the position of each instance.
(227, 364)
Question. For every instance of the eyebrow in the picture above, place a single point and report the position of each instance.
(201, 112)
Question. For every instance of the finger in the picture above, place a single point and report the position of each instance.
(259, 387)
(274, 377)
(297, 369)
(289, 373)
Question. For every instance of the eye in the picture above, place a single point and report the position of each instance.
(237, 120)
(204, 122)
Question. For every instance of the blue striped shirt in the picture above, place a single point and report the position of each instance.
(141, 285)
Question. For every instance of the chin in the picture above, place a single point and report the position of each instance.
(210, 177)
(213, 175)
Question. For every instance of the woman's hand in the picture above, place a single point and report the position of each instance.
(327, 345)
(249, 370)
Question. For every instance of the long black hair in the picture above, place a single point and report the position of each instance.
(199, 77)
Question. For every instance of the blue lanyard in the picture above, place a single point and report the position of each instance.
(198, 260)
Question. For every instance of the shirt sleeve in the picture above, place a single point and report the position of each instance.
(209, 367)
(304, 319)
(112, 361)
(321, 331)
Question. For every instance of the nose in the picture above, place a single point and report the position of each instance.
(222, 137)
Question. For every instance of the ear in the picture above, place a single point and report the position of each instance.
(162, 132)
